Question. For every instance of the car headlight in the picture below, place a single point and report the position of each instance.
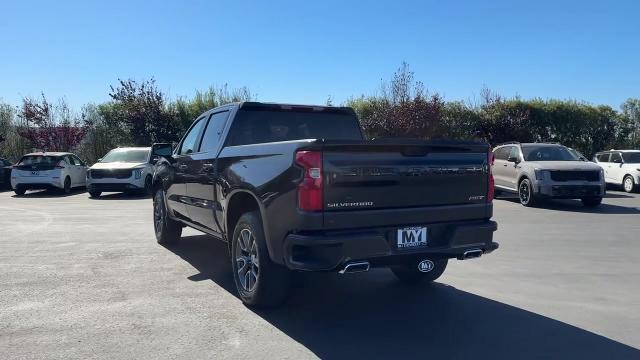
(137, 173)
(540, 174)
(88, 174)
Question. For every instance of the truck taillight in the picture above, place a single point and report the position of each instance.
(310, 189)
(491, 183)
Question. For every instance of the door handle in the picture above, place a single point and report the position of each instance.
(505, 165)
(183, 166)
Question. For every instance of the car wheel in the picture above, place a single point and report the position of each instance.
(411, 273)
(148, 186)
(260, 281)
(67, 185)
(525, 193)
(20, 190)
(591, 202)
(168, 231)
(95, 194)
(628, 184)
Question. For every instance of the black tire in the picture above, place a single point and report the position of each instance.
(410, 274)
(67, 185)
(271, 281)
(591, 202)
(167, 230)
(628, 184)
(95, 194)
(525, 193)
(20, 190)
(148, 186)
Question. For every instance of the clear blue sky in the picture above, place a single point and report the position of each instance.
(304, 51)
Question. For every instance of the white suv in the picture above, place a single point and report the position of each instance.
(621, 167)
(47, 170)
(122, 170)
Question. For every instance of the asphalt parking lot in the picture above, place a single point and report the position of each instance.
(83, 278)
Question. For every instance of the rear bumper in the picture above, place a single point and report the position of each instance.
(329, 250)
(37, 184)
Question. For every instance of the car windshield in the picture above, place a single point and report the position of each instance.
(39, 160)
(124, 155)
(631, 158)
(548, 153)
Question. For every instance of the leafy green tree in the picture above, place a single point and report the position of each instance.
(141, 108)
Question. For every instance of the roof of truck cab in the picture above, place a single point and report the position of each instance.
(282, 106)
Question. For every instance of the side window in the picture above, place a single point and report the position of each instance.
(602, 157)
(189, 143)
(502, 153)
(212, 133)
(616, 158)
(64, 160)
(514, 152)
(77, 160)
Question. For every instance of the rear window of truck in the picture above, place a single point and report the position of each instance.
(256, 126)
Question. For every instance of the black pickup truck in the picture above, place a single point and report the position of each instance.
(298, 188)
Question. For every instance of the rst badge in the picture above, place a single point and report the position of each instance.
(412, 237)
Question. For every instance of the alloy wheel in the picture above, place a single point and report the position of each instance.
(158, 212)
(628, 184)
(524, 192)
(247, 262)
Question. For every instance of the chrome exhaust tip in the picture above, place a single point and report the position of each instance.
(355, 267)
(472, 254)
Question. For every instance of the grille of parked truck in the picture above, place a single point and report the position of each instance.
(298, 188)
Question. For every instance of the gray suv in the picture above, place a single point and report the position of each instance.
(537, 171)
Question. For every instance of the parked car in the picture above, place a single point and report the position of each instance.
(5, 173)
(122, 170)
(47, 170)
(537, 171)
(297, 188)
(621, 167)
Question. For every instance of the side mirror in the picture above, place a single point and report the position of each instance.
(161, 150)
(513, 159)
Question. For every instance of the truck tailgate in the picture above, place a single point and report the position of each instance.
(403, 174)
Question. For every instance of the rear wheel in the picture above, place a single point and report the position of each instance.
(422, 271)
(628, 184)
(67, 185)
(591, 202)
(525, 193)
(148, 186)
(20, 190)
(260, 281)
(168, 231)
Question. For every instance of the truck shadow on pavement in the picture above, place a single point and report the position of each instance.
(373, 316)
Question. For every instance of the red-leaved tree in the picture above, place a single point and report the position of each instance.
(51, 127)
